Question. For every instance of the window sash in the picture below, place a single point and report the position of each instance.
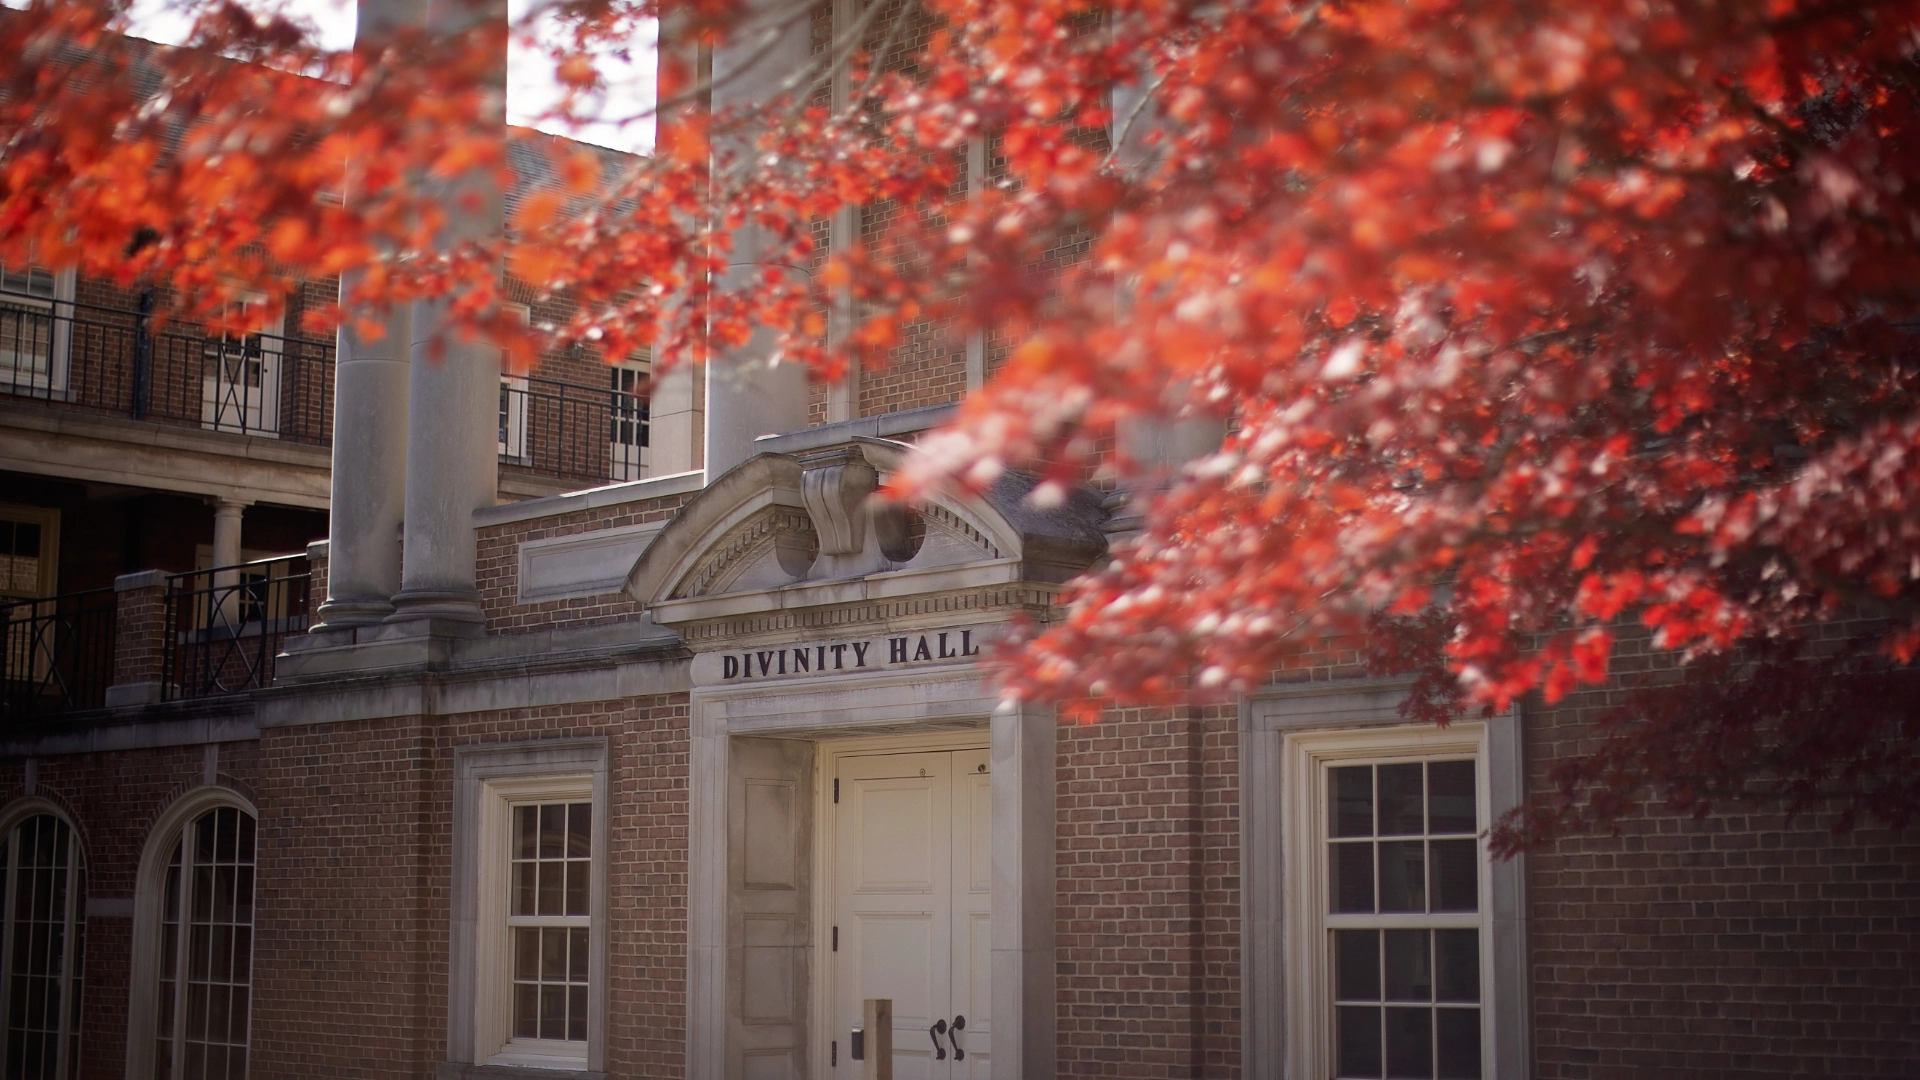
(496, 973)
(1307, 756)
(180, 988)
(69, 880)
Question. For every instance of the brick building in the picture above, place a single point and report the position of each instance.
(665, 776)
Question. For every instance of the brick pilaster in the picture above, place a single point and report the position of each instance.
(139, 650)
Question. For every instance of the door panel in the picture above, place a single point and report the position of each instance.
(973, 902)
(894, 900)
(913, 885)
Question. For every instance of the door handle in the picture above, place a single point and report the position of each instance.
(938, 1029)
(953, 1034)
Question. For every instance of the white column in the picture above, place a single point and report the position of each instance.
(226, 531)
(749, 393)
(369, 418)
(677, 428)
(226, 552)
(453, 398)
(369, 469)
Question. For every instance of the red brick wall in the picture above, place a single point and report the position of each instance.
(499, 567)
(1740, 945)
(355, 872)
(350, 964)
(114, 799)
(1148, 917)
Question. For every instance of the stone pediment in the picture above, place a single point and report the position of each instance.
(799, 524)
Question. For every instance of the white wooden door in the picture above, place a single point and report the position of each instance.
(912, 884)
(240, 378)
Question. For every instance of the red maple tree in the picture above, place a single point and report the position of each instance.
(1529, 325)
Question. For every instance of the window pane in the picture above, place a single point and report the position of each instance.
(1458, 1035)
(553, 1011)
(526, 953)
(1400, 800)
(1450, 801)
(1403, 876)
(577, 887)
(1409, 975)
(1359, 1037)
(1356, 965)
(1456, 875)
(1351, 790)
(526, 880)
(203, 838)
(1353, 878)
(553, 831)
(526, 1010)
(1456, 962)
(242, 954)
(553, 955)
(1410, 1043)
(552, 888)
(239, 1005)
(226, 835)
(577, 954)
(577, 1013)
(526, 832)
(579, 830)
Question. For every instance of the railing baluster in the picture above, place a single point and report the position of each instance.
(227, 624)
(58, 655)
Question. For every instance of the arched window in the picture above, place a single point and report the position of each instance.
(41, 950)
(194, 944)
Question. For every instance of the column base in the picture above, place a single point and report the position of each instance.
(439, 605)
(149, 692)
(339, 614)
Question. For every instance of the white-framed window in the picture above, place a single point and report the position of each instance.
(192, 979)
(1382, 940)
(1402, 928)
(240, 372)
(629, 420)
(206, 948)
(530, 873)
(515, 403)
(43, 945)
(36, 313)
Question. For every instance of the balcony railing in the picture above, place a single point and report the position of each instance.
(225, 625)
(110, 361)
(572, 432)
(58, 654)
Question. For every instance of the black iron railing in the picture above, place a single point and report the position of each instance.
(110, 360)
(574, 432)
(225, 625)
(58, 654)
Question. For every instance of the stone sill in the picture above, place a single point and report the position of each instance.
(457, 1070)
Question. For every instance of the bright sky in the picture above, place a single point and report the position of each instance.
(530, 86)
